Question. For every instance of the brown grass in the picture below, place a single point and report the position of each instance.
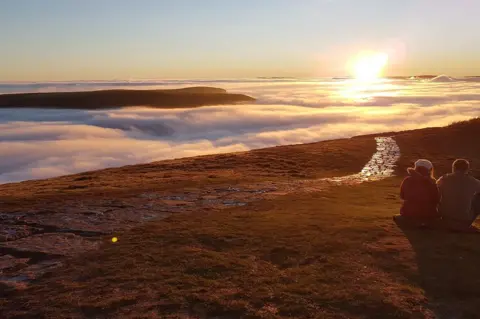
(335, 254)
(324, 159)
(332, 254)
(442, 146)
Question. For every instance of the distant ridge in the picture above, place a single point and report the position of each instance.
(426, 77)
(175, 98)
(276, 78)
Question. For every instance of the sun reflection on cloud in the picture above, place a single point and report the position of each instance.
(355, 92)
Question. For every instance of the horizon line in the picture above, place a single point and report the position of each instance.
(213, 79)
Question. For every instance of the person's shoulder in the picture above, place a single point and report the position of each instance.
(406, 181)
(445, 177)
(407, 178)
(473, 179)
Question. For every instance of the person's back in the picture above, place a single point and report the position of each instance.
(419, 193)
(457, 191)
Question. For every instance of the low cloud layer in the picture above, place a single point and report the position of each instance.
(45, 143)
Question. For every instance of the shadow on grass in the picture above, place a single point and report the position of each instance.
(448, 270)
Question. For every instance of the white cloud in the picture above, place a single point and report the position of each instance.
(45, 143)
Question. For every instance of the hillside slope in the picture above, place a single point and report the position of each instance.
(335, 253)
(91, 100)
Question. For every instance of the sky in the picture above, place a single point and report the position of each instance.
(61, 40)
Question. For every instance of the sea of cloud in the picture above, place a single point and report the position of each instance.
(41, 143)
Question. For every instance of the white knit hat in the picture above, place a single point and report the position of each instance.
(424, 163)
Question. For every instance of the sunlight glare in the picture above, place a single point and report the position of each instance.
(369, 66)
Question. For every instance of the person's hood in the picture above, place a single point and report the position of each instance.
(413, 173)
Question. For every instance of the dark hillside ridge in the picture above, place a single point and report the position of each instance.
(91, 100)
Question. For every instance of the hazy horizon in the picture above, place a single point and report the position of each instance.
(259, 77)
(54, 40)
(72, 84)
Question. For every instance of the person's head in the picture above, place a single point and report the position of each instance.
(424, 167)
(461, 166)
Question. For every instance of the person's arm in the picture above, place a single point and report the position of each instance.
(402, 188)
(440, 182)
(439, 188)
(436, 194)
(477, 185)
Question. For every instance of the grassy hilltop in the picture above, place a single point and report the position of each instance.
(329, 254)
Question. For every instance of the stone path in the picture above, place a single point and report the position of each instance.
(380, 166)
(34, 242)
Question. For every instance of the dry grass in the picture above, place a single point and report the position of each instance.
(333, 254)
(324, 159)
(442, 146)
(297, 256)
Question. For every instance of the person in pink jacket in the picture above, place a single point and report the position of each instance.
(420, 195)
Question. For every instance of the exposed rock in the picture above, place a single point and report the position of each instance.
(59, 244)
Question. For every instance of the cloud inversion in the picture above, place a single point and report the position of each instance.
(40, 143)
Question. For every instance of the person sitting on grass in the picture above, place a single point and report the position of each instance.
(459, 204)
(420, 196)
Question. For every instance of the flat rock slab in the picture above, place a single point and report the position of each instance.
(15, 232)
(53, 244)
(8, 262)
(19, 279)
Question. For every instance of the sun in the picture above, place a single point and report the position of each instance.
(369, 66)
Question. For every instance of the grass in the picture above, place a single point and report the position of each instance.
(324, 159)
(331, 254)
(442, 146)
(278, 258)
(335, 254)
